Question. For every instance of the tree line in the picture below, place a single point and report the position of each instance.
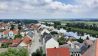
(83, 26)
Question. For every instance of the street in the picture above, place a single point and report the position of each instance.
(35, 43)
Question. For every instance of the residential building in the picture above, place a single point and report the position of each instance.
(58, 52)
(93, 50)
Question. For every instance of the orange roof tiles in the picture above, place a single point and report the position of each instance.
(5, 41)
(58, 52)
(27, 39)
(17, 40)
(6, 32)
(96, 48)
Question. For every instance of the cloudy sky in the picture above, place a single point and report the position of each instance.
(48, 9)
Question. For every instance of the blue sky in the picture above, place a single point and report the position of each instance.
(43, 9)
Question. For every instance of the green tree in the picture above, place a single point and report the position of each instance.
(61, 40)
(39, 52)
(18, 36)
(4, 45)
(80, 40)
(15, 52)
(53, 32)
(56, 24)
(12, 27)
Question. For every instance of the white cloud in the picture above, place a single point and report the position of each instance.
(28, 7)
(61, 6)
(3, 6)
(50, 7)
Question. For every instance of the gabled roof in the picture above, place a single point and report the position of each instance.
(2, 39)
(5, 41)
(15, 31)
(6, 32)
(93, 50)
(27, 40)
(47, 37)
(88, 42)
(58, 52)
(30, 33)
(16, 42)
(45, 31)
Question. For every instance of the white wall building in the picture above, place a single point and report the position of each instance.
(52, 43)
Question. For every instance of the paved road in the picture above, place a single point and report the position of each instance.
(35, 43)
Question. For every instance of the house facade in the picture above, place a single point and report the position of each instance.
(52, 43)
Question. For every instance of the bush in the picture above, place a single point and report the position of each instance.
(53, 32)
(39, 52)
(80, 40)
(15, 52)
(61, 40)
(18, 36)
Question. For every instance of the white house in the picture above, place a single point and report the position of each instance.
(11, 34)
(62, 31)
(52, 43)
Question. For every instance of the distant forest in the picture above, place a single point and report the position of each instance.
(24, 21)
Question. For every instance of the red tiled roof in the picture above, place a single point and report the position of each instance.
(15, 31)
(58, 52)
(16, 42)
(27, 39)
(5, 41)
(6, 31)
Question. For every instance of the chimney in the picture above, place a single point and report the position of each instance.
(54, 47)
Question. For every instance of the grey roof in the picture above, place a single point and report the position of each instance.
(83, 48)
(74, 50)
(1, 39)
(30, 33)
(47, 37)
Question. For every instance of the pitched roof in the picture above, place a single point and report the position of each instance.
(48, 37)
(5, 41)
(15, 31)
(93, 50)
(58, 52)
(27, 40)
(2, 39)
(88, 42)
(96, 47)
(30, 33)
(16, 42)
(45, 31)
(7, 31)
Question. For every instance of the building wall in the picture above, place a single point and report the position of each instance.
(52, 43)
